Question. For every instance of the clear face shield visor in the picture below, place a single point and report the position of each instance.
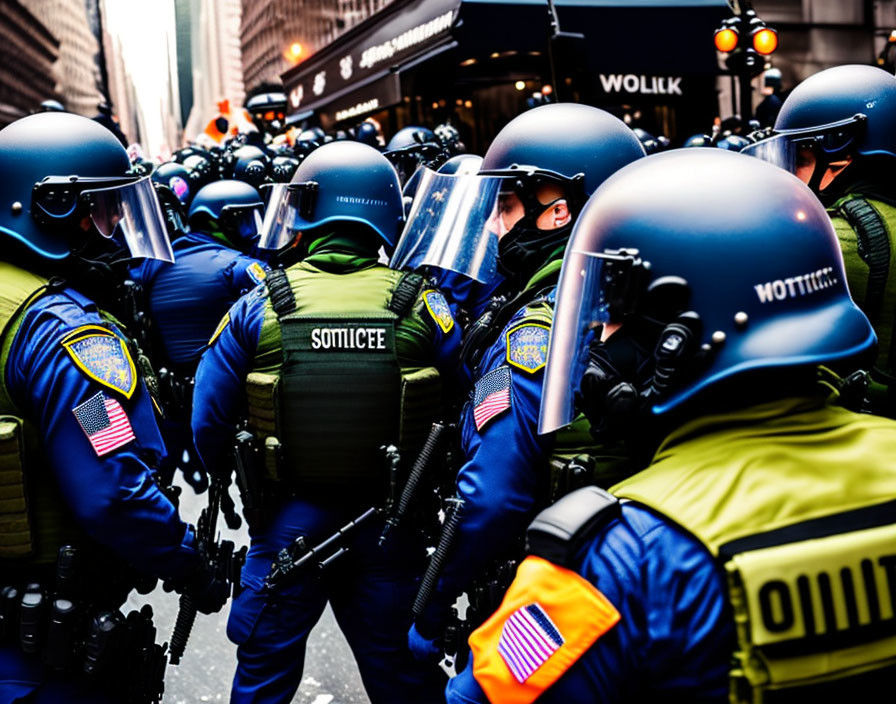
(454, 224)
(290, 206)
(803, 151)
(594, 289)
(243, 222)
(125, 209)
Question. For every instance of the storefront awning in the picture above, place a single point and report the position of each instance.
(630, 46)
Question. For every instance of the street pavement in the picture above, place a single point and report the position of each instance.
(207, 667)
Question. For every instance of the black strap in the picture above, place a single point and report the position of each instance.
(560, 530)
(485, 332)
(283, 300)
(865, 518)
(873, 245)
(405, 294)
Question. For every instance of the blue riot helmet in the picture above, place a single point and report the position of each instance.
(733, 143)
(544, 166)
(411, 136)
(181, 155)
(66, 187)
(413, 147)
(663, 241)
(201, 170)
(449, 137)
(176, 178)
(172, 182)
(51, 106)
(340, 182)
(462, 164)
(250, 165)
(282, 168)
(307, 142)
(698, 140)
(268, 111)
(647, 140)
(465, 224)
(367, 133)
(233, 208)
(845, 112)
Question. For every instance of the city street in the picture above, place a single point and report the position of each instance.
(206, 670)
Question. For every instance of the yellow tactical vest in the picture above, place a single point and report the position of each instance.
(32, 515)
(797, 501)
(340, 373)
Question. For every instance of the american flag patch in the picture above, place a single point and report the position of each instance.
(527, 640)
(492, 396)
(105, 423)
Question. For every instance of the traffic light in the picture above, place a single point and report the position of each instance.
(746, 39)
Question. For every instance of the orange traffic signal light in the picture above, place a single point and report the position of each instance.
(765, 41)
(725, 40)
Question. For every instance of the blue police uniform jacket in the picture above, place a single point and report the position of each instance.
(114, 497)
(187, 299)
(463, 292)
(500, 480)
(675, 633)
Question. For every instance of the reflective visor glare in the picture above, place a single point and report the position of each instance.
(278, 226)
(778, 150)
(244, 221)
(133, 211)
(581, 310)
(784, 149)
(453, 225)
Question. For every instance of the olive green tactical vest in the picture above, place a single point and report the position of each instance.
(797, 502)
(865, 229)
(342, 368)
(32, 516)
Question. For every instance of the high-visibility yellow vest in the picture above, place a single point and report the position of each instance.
(796, 500)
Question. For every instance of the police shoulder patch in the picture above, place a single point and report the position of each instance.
(439, 310)
(527, 346)
(225, 321)
(256, 272)
(102, 356)
(549, 618)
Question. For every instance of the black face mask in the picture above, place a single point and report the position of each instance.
(525, 248)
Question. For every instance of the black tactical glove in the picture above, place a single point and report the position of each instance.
(609, 393)
(208, 589)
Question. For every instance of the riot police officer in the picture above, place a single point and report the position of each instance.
(746, 562)
(81, 508)
(543, 178)
(337, 356)
(835, 132)
(186, 300)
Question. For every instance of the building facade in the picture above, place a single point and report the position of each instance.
(27, 53)
(270, 28)
(216, 56)
(76, 72)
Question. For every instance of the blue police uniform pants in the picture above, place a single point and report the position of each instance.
(23, 681)
(371, 590)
